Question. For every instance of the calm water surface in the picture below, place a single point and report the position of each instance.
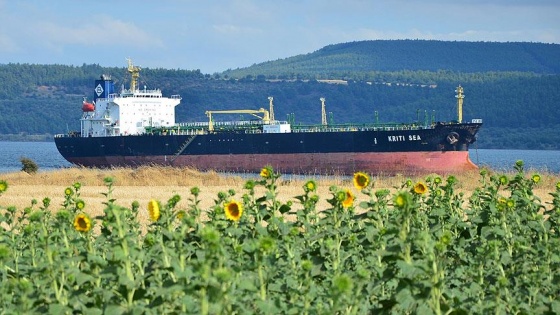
(47, 157)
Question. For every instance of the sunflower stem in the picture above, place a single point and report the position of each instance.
(262, 283)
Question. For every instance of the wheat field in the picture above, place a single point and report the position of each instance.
(161, 183)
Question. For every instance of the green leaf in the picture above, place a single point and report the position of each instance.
(114, 310)
(284, 208)
(267, 307)
(56, 308)
(92, 311)
(409, 271)
(247, 284)
(82, 278)
(555, 307)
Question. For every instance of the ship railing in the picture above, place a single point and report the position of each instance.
(355, 127)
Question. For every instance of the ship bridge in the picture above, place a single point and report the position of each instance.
(129, 112)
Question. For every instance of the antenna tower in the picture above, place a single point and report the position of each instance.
(460, 96)
(323, 112)
(270, 98)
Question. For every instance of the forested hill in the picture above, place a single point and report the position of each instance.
(512, 87)
(367, 57)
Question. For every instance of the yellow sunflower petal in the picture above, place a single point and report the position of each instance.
(233, 210)
(420, 188)
(153, 210)
(361, 180)
(349, 201)
(82, 223)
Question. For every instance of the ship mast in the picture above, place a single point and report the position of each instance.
(323, 112)
(271, 110)
(134, 73)
(460, 96)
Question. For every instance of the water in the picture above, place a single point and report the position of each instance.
(44, 154)
(504, 160)
(47, 157)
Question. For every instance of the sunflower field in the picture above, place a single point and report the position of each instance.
(425, 249)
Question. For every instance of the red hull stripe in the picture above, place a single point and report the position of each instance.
(309, 163)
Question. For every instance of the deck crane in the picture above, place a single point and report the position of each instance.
(135, 74)
(265, 115)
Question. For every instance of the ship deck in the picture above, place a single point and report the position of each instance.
(200, 128)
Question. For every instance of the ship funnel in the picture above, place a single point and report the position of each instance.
(103, 87)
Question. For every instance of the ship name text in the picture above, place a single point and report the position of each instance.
(400, 138)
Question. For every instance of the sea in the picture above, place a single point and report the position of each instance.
(47, 158)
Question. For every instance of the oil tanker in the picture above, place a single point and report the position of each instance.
(136, 127)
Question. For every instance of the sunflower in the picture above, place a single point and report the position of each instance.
(420, 188)
(3, 186)
(266, 172)
(153, 210)
(510, 203)
(68, 191)
(536, 178)
(310, 186)
(402, 200)
(502, 203)
(180, 215)
(349, 200)
(503, 180)
(80, 204)
(233, 210)
(361, 180)
(82, 223)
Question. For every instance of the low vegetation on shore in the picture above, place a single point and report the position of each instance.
(166, 240)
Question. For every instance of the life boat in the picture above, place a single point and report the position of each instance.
(88, 107)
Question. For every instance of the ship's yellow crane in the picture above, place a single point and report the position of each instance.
(265, 115)
(134, 73)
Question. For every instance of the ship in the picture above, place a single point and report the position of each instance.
(135, 127)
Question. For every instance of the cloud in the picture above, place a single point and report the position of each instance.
(98, 31)
(221, 34)
(8, 45)
(229, 29)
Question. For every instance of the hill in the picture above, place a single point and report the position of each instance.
(513, 87)
(368, 57)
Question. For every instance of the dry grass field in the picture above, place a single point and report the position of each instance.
(161, 183)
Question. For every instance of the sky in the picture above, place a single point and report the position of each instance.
(217, 35)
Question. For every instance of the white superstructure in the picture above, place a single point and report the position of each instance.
(128, 112)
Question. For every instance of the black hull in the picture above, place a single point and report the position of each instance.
(200, 151)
